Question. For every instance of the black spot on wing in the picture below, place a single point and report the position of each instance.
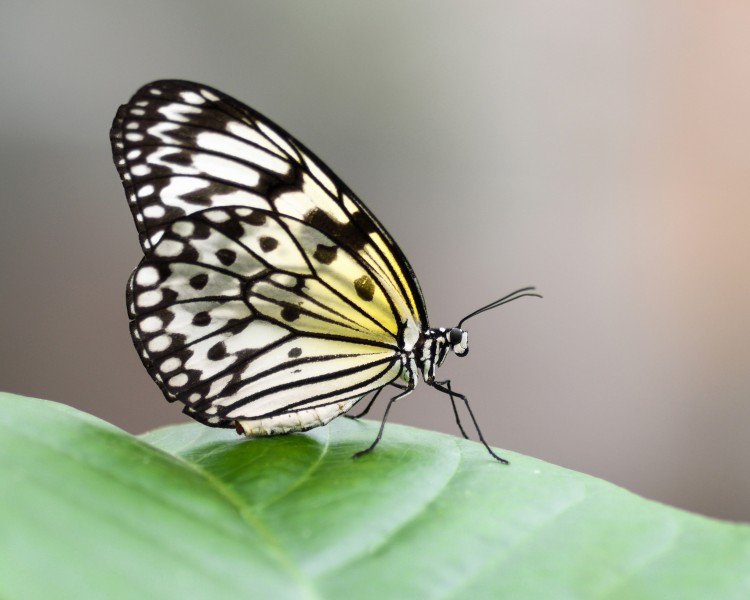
(290, 313)
(201, 319)
(325, 254)
(256, 218)
(295, 352)
(198, 282)
(365, 288)
(268, 243)
(217, 351)
(226, 256)
(231, 228)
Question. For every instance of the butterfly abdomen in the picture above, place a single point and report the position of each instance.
(290, 422)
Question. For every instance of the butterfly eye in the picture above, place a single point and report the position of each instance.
(455, 335)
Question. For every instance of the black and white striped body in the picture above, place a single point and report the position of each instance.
(433, 348)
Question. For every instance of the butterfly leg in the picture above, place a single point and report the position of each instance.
(368, 407)
(447, 384)
(407, 390)
(372, 401)
(447, 390)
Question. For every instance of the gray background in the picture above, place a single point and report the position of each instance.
(600, 151)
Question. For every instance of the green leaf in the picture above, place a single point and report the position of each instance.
(89, 511)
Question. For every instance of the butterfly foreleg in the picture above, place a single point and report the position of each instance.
(447, 384)
(406, 391)
(441, 387)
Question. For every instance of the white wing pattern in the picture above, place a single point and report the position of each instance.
(269, 296)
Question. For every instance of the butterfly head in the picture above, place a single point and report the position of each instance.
(458, 340)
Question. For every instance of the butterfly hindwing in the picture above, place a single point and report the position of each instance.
(237, 327)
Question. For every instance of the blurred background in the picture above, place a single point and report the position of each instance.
(600, 151)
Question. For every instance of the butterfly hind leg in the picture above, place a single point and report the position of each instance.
(406, 391)
(445, 387)
(372, 401)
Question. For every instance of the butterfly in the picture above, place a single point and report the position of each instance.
(269, 298)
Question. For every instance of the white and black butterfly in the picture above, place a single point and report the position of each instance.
(269, 299)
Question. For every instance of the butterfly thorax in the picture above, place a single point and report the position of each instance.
(433, 347)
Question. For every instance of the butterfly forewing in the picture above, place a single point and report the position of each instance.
(182, 147)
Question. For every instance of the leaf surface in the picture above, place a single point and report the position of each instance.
(90, 511)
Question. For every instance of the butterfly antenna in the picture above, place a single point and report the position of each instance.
(527, 291)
